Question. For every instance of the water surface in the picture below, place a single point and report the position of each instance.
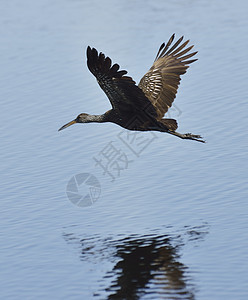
(172, 223)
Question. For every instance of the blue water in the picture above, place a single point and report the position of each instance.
(171, 222)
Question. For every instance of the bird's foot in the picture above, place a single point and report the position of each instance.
(194, 137)
(188, 136)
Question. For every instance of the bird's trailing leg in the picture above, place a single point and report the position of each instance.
(188, 136)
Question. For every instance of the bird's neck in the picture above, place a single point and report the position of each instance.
(106, 117)
(96, 118)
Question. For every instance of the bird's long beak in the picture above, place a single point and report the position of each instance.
(67, 125)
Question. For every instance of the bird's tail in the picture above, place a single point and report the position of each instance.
(170, 123)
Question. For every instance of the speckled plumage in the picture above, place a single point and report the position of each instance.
(143, 106)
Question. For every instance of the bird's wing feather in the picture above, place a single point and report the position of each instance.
(121, 90)
(161, 82)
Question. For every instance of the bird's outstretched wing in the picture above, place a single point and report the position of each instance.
(121, 90)
(161, 82)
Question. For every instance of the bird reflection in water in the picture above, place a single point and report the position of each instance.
(147, 265)
(143, 265)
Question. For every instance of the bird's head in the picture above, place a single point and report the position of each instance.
(82, 118)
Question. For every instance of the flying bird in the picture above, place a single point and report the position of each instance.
(141, 107)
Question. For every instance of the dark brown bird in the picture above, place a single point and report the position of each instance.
(141, 107)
